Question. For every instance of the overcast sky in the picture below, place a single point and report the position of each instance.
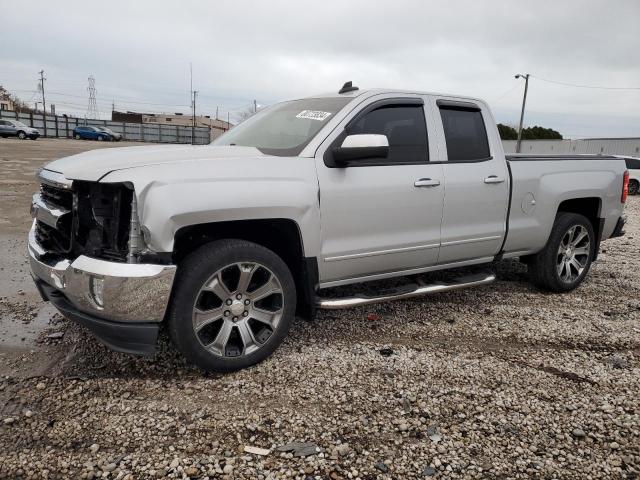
(274, 50)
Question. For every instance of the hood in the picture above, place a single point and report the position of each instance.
(95, 164)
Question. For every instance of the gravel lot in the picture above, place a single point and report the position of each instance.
(502, 381)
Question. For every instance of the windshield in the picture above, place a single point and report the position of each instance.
(286, 128)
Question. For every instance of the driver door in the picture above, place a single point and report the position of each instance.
(380, 215)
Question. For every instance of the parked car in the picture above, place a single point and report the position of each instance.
(633, 164)
(115, 136)
(90, 133)
(226, 243)
(14, 128)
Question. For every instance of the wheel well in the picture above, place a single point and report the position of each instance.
(280, 235)
(590, 208)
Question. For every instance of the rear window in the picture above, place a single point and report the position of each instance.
(633, 163)
(465, 134)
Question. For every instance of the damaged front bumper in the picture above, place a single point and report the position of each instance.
(121, 303)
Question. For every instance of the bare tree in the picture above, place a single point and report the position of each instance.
(244, 114)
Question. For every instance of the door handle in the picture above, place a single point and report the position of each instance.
(426, 182)
(493, 179)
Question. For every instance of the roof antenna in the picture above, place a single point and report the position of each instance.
(348, 87)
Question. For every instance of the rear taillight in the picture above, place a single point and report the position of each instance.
(625, 187)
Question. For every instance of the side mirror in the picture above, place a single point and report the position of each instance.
(361, 147)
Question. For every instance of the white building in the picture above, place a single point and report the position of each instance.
(607, 146)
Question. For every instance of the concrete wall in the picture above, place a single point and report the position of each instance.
(611, 146)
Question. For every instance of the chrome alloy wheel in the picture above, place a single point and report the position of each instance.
(573, 253)
(237, 309)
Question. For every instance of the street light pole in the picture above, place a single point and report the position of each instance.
(524, 101)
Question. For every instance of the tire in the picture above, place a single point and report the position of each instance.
(76, 136)
(100, 138)
(549, 270)
(221, 344)
(21, 135)
(633, 187)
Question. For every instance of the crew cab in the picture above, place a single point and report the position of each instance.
(224, 244)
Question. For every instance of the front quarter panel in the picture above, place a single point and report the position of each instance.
(172, 196)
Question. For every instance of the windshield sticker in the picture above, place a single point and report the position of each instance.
(313, 115)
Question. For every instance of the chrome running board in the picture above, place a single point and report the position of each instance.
(407, 291)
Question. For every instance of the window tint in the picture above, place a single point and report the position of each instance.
(633, 164)
(405, 129)
(465, 134)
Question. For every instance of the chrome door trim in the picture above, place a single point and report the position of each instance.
(381, 252)
(471, 240)
(400, 273)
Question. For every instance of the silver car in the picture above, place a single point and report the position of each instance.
(14, 128)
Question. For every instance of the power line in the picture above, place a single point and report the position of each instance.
(507, 92)
(566, 84)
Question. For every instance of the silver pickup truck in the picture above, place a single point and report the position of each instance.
(224, 244)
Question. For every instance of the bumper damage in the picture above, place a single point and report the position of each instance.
(121, 303)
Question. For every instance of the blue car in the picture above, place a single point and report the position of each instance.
(91, 133)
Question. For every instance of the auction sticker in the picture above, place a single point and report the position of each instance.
(313, 115)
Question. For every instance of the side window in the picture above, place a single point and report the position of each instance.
(405, 128)
(465, 134)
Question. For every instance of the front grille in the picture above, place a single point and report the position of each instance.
(53, 240)
(56, 240)
(96, 225)
(57, 196)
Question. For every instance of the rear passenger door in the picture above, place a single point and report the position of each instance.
(476, 182)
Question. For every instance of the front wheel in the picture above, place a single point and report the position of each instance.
(22, 135)
(233, 304)
(100, 138)
(566, 258)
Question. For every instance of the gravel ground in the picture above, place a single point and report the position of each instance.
(502, 381)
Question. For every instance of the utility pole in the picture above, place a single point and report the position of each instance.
(255, 106)
(524, 102)
(216, 113)
(228, 127)
(44, 105)
(193, 125)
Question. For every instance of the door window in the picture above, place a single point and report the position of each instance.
(465, 134)
(405, 129)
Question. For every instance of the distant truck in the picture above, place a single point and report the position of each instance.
(225, 243)
(14, 128)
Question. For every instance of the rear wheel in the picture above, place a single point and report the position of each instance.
(76, 136)
(233, 304)
(566, 258)
(633, 187)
